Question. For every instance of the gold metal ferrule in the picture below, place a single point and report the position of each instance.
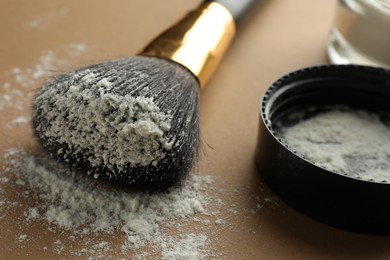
(198, 41)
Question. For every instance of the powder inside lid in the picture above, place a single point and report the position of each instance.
(350, 142)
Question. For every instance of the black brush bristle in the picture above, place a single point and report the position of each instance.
(134, 121)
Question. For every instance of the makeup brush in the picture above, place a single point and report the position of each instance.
(135, 120)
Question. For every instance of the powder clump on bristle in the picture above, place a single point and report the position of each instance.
(99, 121)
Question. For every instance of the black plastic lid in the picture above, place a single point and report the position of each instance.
(345, 202)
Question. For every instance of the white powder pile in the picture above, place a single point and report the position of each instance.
(76, 203)
(353, 143)
(95, 122)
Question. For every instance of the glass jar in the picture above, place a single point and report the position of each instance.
(361, 33)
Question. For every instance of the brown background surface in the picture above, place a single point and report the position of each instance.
(278, 37)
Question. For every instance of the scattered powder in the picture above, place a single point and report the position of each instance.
(58, 246)
(20, 120)
(48, 62)
(189, 246)
(22, 238)
(91, 212)
(350, 142)
(77, 203)
(15, 92)
(46, 19)
(33, 213)
(10, 98)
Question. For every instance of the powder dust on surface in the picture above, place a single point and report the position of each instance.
(54, 211)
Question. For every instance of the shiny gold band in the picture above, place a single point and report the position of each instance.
(198, 41)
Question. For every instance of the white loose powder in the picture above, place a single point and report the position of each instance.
(353, 143)
(22, 80)
(77, 203)
(187, 247)
(46, 19)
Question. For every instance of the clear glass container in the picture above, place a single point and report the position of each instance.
(361, 33)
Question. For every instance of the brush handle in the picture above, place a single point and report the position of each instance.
(199, 40)
(237, 8)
